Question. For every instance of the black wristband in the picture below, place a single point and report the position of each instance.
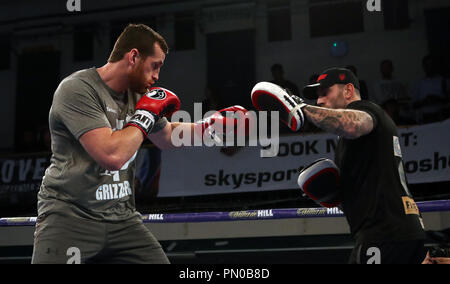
(144, 120)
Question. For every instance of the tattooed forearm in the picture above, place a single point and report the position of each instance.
(349, 124)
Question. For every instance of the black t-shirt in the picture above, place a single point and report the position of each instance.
(376, 199)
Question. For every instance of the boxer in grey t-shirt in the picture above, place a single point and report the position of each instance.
(86, 207)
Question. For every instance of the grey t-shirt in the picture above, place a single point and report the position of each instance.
(74, 183)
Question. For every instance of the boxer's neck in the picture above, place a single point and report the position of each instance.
(114, 75)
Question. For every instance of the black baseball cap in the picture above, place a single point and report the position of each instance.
(329, 78)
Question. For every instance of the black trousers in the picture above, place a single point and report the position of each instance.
(405, 252)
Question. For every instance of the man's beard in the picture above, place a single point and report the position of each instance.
(339, 102)
(137, 81)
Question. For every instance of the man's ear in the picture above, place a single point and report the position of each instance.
(133, 55)
(349, 90)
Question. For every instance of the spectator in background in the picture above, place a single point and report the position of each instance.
(362, 84)
(431, 95)
(278, 78)
(391, 94)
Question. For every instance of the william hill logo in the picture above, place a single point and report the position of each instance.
(334, 211)
(265, 213)
(251, 214)
(242, 214)
(157, 217)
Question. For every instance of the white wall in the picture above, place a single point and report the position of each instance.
(185, 71)
(304, 55)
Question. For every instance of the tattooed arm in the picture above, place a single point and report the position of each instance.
(350, 124)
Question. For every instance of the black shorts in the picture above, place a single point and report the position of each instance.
(405, 252)
(62, 239)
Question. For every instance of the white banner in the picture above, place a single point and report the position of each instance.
(206, 170)
(426, 152)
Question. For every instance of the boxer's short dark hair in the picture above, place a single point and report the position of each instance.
(138, 36)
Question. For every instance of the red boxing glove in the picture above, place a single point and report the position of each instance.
(229, 120)
(157, 102)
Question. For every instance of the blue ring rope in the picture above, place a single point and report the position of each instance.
(262, 214)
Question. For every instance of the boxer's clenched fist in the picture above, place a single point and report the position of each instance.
(229, 120)
(157, 102)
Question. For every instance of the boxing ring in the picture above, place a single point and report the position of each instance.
(290, 235)
(262, 214)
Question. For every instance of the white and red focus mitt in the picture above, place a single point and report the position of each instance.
(271, 97)
(320, 181)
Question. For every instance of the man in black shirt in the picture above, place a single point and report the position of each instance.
(383, 217)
